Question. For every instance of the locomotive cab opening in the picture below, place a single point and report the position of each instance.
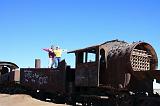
(87, 62)
(102, 67)
(91, 68)
(86, 57)
(4, 70)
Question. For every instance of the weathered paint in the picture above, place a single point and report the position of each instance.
(45, 79)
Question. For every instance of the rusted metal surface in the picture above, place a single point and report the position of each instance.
(85, 73)
(116, 64)
(10, 77)
(127, 58)
(37, 63)
(45, 79)
(140, 60)
(156, 75)
(15, 76)
(8, 64)
(8, 72)
(5, 78)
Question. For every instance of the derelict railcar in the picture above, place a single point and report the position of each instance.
(9, 77)
(106, 69)
(8, 72)
(116, 64)
(101, 72)
(52, 82)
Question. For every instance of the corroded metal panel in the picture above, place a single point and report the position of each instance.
(16, 74)
(156, 75)
(5, 78)
(37, 63)
(46, 79)
(125, 59)
(8, 72)
(13, 76)
(86, 75)
(118, 62)
(8, 64)
(142, 82)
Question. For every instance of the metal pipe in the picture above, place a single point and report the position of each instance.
(37, 63)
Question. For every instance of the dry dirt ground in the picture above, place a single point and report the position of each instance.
(23, 100)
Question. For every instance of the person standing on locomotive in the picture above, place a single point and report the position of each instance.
(51, 54)
(58, 53)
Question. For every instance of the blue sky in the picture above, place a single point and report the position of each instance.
(27, 26)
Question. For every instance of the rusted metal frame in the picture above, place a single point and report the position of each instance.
(86, 56)
(141, 58)
(79, 58)
(8, 64)
(120, 60)
(98, 63)
(150, 50)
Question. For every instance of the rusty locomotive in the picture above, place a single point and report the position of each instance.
(113, 73)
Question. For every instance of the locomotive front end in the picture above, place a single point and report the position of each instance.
(143, 57)
(129, 64)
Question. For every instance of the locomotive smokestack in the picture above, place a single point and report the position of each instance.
(37, 63)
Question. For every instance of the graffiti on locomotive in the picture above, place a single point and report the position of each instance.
(33, 77)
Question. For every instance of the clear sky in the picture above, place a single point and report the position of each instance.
(27, 26)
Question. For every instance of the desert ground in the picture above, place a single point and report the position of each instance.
(23, 100)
